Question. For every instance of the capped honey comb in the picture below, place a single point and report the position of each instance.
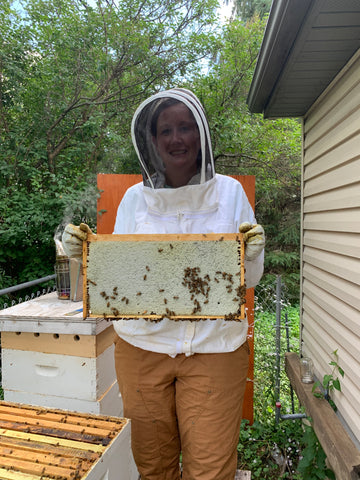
(185, 276)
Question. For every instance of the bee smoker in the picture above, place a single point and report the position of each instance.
(62, 272)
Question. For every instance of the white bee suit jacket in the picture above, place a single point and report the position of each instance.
(210, 203)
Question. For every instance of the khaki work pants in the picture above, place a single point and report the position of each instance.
(191, 405)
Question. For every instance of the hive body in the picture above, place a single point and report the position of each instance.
(38, 443)
(59, 361)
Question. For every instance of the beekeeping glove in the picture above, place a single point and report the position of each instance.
(72, 239)
(254, 238)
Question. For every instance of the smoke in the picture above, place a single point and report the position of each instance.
(68, 218)
(57, 237)
(85, 206)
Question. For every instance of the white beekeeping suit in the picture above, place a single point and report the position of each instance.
(209, 202)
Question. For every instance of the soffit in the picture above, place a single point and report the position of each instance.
(306, 43)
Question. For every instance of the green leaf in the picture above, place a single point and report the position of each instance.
(316, 385)
(336, 384)
(327, 379)
(330, 474)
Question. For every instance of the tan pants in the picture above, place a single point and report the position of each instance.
(184, 404)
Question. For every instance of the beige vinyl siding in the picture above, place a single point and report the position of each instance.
(331, 237)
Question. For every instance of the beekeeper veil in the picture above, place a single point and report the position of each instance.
(143, 129)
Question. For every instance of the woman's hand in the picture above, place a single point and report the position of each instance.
(72, 239)
(254, 238)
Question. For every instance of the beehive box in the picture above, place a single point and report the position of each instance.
(110, 403)
(37, 443)
(59, 375)
(193, 276)
(58, 361)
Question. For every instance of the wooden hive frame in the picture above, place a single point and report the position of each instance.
(177, 276)
(42, 444)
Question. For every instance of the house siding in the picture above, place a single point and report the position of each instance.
(331, 237)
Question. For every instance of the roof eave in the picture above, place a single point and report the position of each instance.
(285, 21)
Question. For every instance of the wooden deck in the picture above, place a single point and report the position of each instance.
(342, 454)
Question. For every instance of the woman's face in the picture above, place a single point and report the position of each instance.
(178, 143)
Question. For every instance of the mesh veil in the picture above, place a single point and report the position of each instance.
(152, 167)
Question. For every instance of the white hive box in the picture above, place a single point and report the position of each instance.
(53, 360)
(38, 443)
(178, 276)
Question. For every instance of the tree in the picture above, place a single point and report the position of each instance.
(247, 144)
(71, 74)
(247, 9)
(91, 64)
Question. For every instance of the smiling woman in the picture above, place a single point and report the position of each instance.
(182, 382)
(177, 141)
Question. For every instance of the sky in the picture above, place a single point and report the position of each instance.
(225, 10)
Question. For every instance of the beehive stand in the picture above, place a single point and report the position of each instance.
(193, 276)
(37, 443)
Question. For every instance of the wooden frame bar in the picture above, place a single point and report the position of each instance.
(38, 443)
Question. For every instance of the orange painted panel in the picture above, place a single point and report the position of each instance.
(248, 184)
(112, 188)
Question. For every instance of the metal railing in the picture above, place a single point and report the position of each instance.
(22, 286)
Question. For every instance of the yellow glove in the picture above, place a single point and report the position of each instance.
(72, 239)
(254, 238)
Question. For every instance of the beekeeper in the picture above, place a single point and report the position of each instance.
(182, 382)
